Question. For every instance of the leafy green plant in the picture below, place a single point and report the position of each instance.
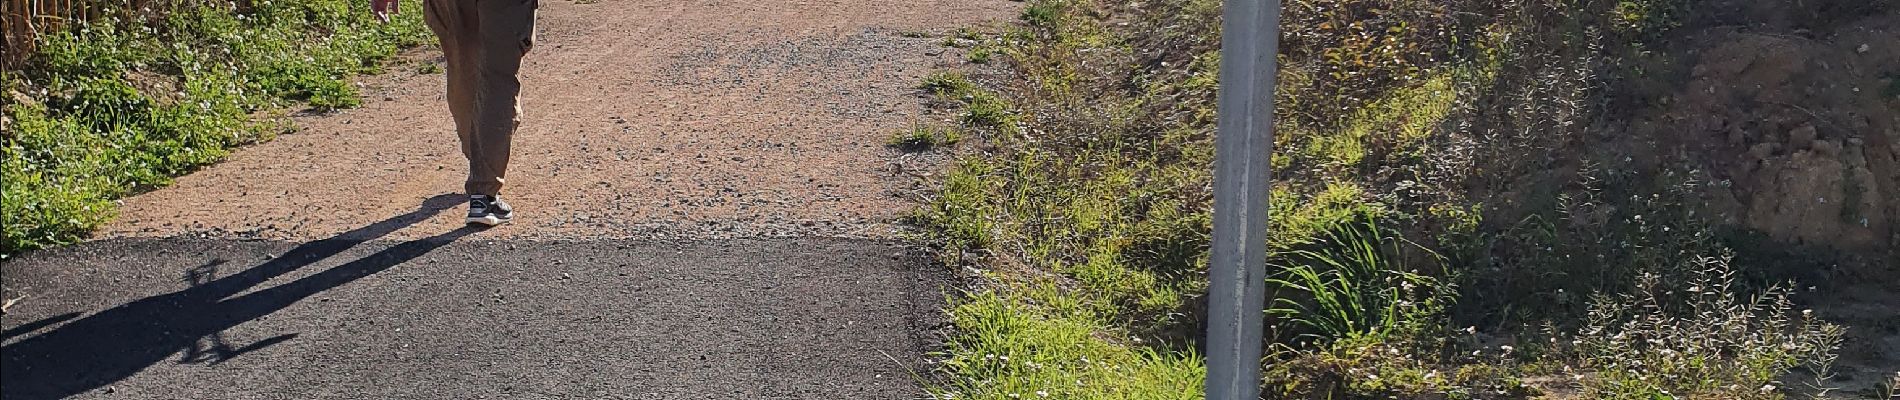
(120, 105)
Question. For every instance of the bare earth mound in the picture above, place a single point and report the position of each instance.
(1796, 113)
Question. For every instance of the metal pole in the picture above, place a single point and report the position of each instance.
(1250, 38)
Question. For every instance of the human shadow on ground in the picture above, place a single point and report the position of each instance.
(110, 345)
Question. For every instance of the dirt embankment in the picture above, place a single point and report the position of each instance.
(1793, 111)
(1800, 125)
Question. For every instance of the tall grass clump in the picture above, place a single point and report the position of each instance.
(1351, 283)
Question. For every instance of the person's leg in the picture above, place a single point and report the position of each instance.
(506, 34)
(455, 24)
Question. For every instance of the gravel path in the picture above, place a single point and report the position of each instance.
(698, 118)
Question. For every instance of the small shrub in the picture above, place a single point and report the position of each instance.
(1699, 339)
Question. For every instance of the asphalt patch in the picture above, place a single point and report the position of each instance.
(455, 315)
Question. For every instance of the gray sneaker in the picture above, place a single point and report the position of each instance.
(488, 210)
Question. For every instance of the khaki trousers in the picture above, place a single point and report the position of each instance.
(483, 41)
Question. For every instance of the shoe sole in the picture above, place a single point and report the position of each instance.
(488, 220)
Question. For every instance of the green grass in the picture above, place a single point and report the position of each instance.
(981, 107)
(113, 108)
(1085, 207)
(1403, 119)
(1352, 284)
(981, 54)
(1095, 244)
(1016, 348)
(924, 137)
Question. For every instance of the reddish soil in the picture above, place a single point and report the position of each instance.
(1805, 129)
(700, 118)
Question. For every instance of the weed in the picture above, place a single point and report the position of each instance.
(1043, 14)
(946, 83)
(966, 33)
(981, 108)
(1118, 243)
(961, 210)
(924, 137)
(914, 139)
(981, 54)
(962, 38)
(1710, 342)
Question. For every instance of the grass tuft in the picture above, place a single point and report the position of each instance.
(924, 137)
